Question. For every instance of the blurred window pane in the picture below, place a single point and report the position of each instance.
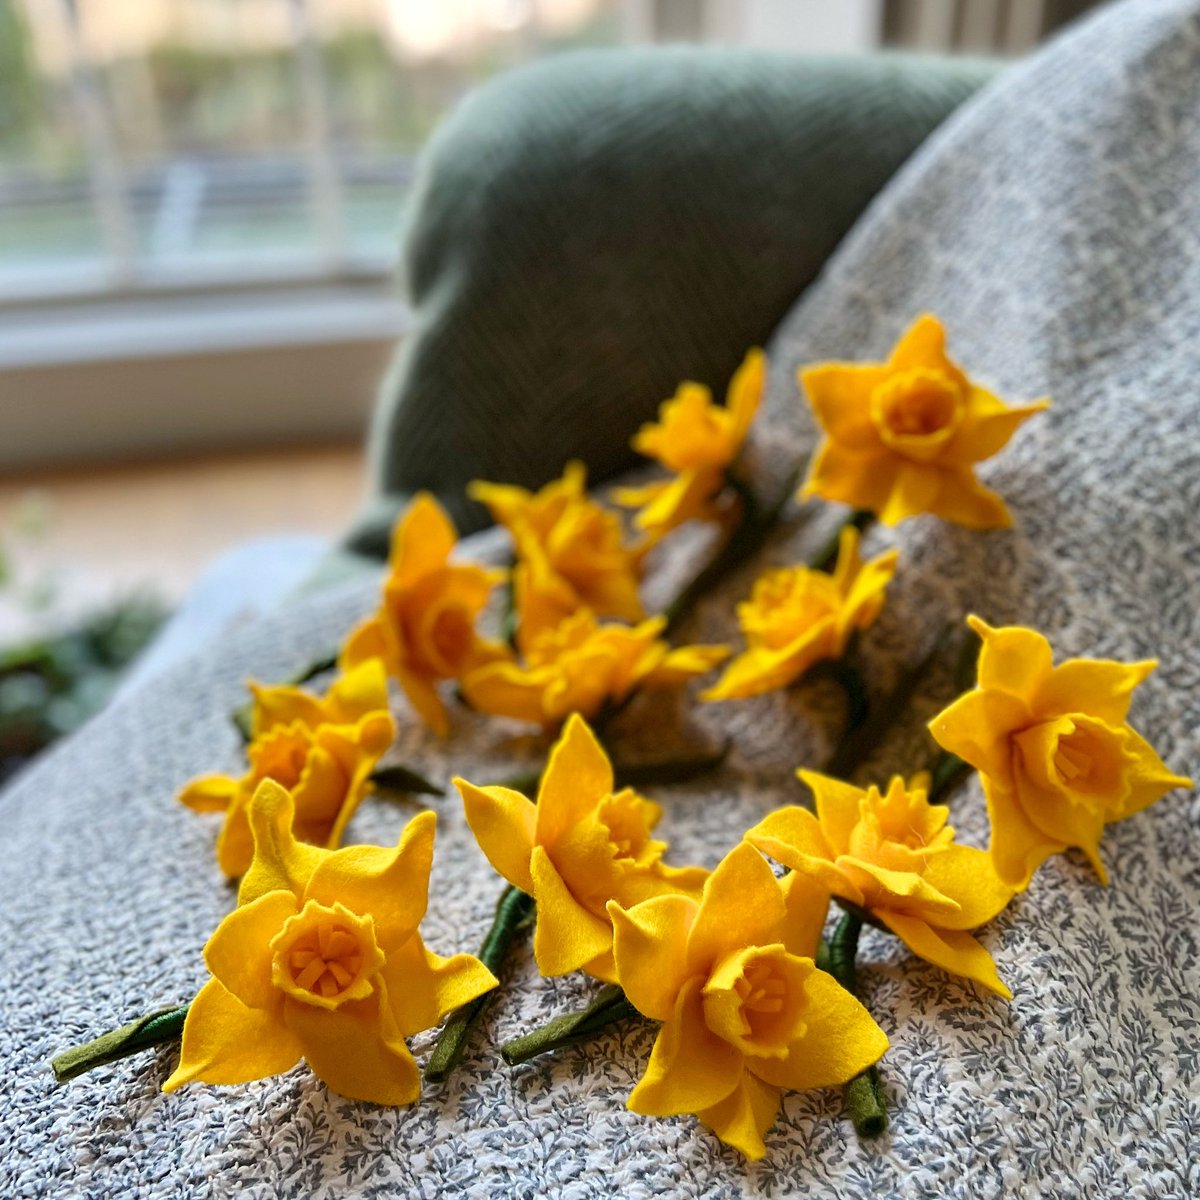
(144, 141)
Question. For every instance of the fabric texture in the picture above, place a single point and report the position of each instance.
(586, 233)
(1053, 224)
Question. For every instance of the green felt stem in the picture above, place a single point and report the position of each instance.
(609, 1005)
(860, 742)
(947, 773)
(866, 1103)
(850, 680)
(243, 715)
(826, 558)
(513, 915)
(152, 1030)
(404, 781)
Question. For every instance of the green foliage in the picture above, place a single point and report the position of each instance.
(50, 687)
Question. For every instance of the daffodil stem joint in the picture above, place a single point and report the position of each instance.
(512, 914)
(866, 1104)
(609, 1005)
(166, 1025)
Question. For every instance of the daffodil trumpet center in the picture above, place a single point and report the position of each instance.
(917, 412)
(753, 1000)
(325, 956)
(1077, 757)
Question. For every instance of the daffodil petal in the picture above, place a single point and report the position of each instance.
(923, 344)
(988, 427)
(968, 876)
(840, 1040)
(745, 393)
(1098, 687)
(225, 1041)
(744, 1116)
(280, 862)
(358, 691)
(690, 1067)
(423, 540)
(650, 949)
(793, 836)
(235, 842)
(567, 935)
(741, 905)
(905, 886)
(914, 490)
(348, 1051)
(390, 883)
(1149, 777)
(843, 475)
(684, 663)
(281, 705)
(839, 394)
(239, 952)
(976, 727)
(209, 793)
(807, 905)
(504, 824)
(961, 498)
(423, 695)
(1017, 846)
(952, 950)
(365, 642)
(503, 689)
(576, 776)
(837, 804)
(422, 987)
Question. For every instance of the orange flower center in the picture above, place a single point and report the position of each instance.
(326, 956)
(281, 754)
(786, 604)
(916, 412)
(754, 1000)
(451, 636)
(1077, 756)
(624, 816)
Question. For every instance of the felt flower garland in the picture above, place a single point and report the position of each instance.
(322, 959)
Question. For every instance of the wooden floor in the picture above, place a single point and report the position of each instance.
(89, 534)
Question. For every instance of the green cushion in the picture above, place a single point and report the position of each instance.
(589, 231)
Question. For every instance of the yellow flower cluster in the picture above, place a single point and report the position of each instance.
(698, 441)
(322, 749)
(724, 959)
(1052, 745)
(797, 616)
(322, 961)
(903, 437)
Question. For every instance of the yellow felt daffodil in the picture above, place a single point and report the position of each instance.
(579, 846)
(322, 960)
(892, 855)
(572, 545)
(581, 666)
(322, 749)
(797, 616)
(1056, 756)
(425, 628)
(698, 441)
(745, 1011)
(902, 437)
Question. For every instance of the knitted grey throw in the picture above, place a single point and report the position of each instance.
(1054, 223)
